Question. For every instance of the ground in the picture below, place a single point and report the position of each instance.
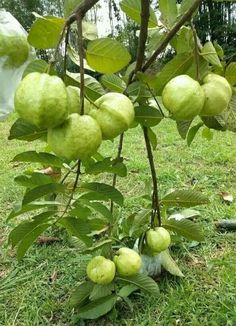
(35, 291)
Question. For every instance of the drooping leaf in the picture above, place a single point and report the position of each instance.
(209, 53)
(100, 208)
(74, 56)
(108, 165)
(126, 290)
(41, 157)
(81, 294)
(184, 41)
(183, 127)
(140, 223)
(230, 73)
(97, 246)
(113, 83)
(22, 130)
(203, 69)
(37, 65)
(147, 116)
(107, 56)
(132, 8)
(101, 290)
(216, 123)
(36, 179)
(41, 191)
(192, 133)
(169, 264)
(45, 32)
(207, 134)
(168, 11)
(184, 198)
(80, 211)
(143, 282)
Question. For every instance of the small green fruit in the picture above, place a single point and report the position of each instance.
(101, 270)
(114, 113)
(16, 48)
(74, 100)
(128, 262)
(77, 138)
(183, 97)
(41, 100)
(158, 239)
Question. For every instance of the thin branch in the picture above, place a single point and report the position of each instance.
(186, 17)
(66, 45)
(196, 52)
(81, 64)
(157, 103)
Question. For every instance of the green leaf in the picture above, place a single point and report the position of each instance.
(147, 116)
(140, 223)
(184, 40)
(229, 116)
(177, 66)
(184, 198)
(207, 134)
(143, 282)
(153, 138)
(97, 308)
(113, 83)
(36, 66)
(100, 291)
(81, 294)
(169, 264)
(183, 127)
(155, 37)
(209, 54)
(90, 31)
(74, 56)
(203, 67)
(102, 191)
(29, 239)
(132, 8)
(97, 246)
(80, 211)
(185, 228)
(41, 157)
(36, 179)
(101, 209)
(107, 56)
(77, 227)
(192, 133)
(45, 32)
(41, 191)
(185, 5)
(126, 290)
(22, 130)
(216, 123)
(230, 73)
(108, 165)
(168, 11)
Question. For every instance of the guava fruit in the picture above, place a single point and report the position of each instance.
(183, 97)
(101, 270)
(74, 100)
(128, 262)
(158, 239)
(77, 138)
(114, 113)
(218, 93)
(41, 100)
(16, 48)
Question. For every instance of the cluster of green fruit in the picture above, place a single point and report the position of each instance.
(45, 102)
(16, 48)
(185, 98)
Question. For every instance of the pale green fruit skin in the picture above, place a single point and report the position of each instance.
(101, 270)
(128, 262)
(77, 138)
(74, 100)
(41, 100)
(114, 113)
(218, 93)
(16, 48)
(183, 97)
(158, 239)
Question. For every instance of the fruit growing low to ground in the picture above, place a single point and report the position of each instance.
(114, 113)
(101, 270)
(128, 262)
(77, 138)
(158, 239)
(41, 100)
(16, 48)
(183, 97)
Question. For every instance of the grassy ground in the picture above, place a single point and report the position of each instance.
(206, 296)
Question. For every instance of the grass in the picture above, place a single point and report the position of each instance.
(206, 296)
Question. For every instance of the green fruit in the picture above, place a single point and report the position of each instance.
(128, 262)
(114, 113)
(77, 138)
(16, 48)
(74, 100)
(101, 270)
(218, 93)
(158, 239)
(41, 100)
(183, 97)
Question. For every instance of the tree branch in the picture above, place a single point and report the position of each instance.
(81, 64)
(80, 11)
(186, 17)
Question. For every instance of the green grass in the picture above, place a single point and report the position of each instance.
(206, 296)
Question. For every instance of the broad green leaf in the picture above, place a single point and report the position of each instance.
(147, 116)
(169, 264)
(100, 208)
(177, 66)
(209, 54)
(41, 191)
(29, 239)
(230, 73)
(80, 211)
(203, 67)
(185, 5)
(37, 65)
(216, 123)
(70, 6)
(143, 282)
(36, 179)
(90, 31)
(74, 56)
(155, 37)
(77, 227)
(93, 89)
(140, 223)
(108, 165)
(41, 157)
(184, 40)
(98, 246)
(229, 116)
(45, 32)
(107, 56)
(168, 9)
(184, 198)
(183, 127)
(98, 308)
(185, 228)
(101, 290)
(186, 213)
(81, 294)
(132, 8)
(22, 130)
(207, 134)
(192, 133)
(153, 138)
(113, 83)
(101, 191)
(126, 290)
